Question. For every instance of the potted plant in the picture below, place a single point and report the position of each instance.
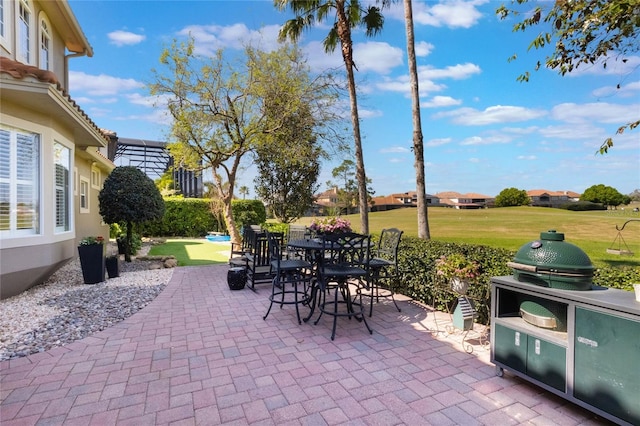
(111, 263)
(330, 225)
(458, 270)
(92, 259)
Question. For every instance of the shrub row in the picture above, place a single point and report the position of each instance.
(183, 217)
(418, 278)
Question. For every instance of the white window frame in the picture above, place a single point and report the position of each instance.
(62, 156)
(6, 24)
(75, 181)
(45, 43)
(25, 37)
(84, 194)
(95, 178)
(10, 178)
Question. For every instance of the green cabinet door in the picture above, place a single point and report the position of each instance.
(547, 363)
(510, 348)
(607, 363)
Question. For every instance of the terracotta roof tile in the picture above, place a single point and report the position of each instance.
(21, 71)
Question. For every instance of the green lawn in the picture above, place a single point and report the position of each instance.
(191, 252)
(509, 228)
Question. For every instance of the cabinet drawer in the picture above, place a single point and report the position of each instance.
(510, 348)
(547, 363)
(607, 363)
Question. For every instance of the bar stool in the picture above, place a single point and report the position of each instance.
(293, 272)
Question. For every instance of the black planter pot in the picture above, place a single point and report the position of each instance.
(113, 269)
(92, 261)
(122, 245)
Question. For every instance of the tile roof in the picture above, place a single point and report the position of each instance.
(20, 71)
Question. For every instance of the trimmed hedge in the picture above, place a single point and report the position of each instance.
(183, 217)
(418, 278)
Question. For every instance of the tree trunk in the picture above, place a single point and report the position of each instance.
(344, 33)
(418, 147)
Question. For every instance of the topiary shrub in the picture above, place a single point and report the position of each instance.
(128, 195)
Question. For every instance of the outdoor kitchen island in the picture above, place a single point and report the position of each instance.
(581, 345)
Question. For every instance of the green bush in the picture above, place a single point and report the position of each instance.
(248, 212)
(418, 278)
(583, 206)
(183, 217)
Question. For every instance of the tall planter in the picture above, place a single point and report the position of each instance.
(92, 262)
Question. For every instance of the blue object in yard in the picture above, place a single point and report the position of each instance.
(218, 238)
(464, 314)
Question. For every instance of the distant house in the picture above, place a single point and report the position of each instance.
(53, 158)
(545, 198)
(399, 200)
(465, 201)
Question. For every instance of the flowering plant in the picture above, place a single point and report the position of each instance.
(330, 224)
(89, 241)
(456, 265)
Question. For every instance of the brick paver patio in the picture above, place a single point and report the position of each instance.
(201, 354)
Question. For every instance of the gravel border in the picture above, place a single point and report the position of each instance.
(64, 309)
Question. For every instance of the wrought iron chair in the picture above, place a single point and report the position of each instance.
(258, 261)
(343, 263)
(296, 232)
(384, 267)
(294, 272)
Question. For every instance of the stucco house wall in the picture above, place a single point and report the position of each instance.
(40, 234)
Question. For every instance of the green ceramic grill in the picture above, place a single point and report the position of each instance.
(552, 262)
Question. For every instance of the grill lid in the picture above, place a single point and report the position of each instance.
(551, 260)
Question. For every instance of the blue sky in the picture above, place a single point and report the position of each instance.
(483, 130)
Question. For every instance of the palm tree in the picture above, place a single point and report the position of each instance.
(244, 191)
(348, 15)
(418, 147)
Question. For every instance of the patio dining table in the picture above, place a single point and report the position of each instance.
(315, 250)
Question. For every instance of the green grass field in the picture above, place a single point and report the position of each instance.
(510, 228)
(594, 232)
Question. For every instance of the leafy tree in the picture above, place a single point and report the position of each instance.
(346, 16)
(218, 109)
(347, 187)
(585, 32)
(287, 178)
(509, 197)
(604, 195)
(128, 195)
(418, 146)
(166, 183)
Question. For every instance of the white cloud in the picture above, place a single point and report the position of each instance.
(426, 77)
(101, 85)
(486, 140)
(601, 112)
(370, 56)
(395, 149)
(491, 115)
(456, 72)
(615, 66)
(527, 157)
(423, 48)
(453, 14)
(437, 142)
(210, 38)
(441, 101)
(626, 90)
(573, 132)
(376, 56)
(125, 38)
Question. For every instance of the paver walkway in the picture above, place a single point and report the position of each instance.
(201, 354)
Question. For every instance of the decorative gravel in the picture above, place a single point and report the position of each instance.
(64, 309)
